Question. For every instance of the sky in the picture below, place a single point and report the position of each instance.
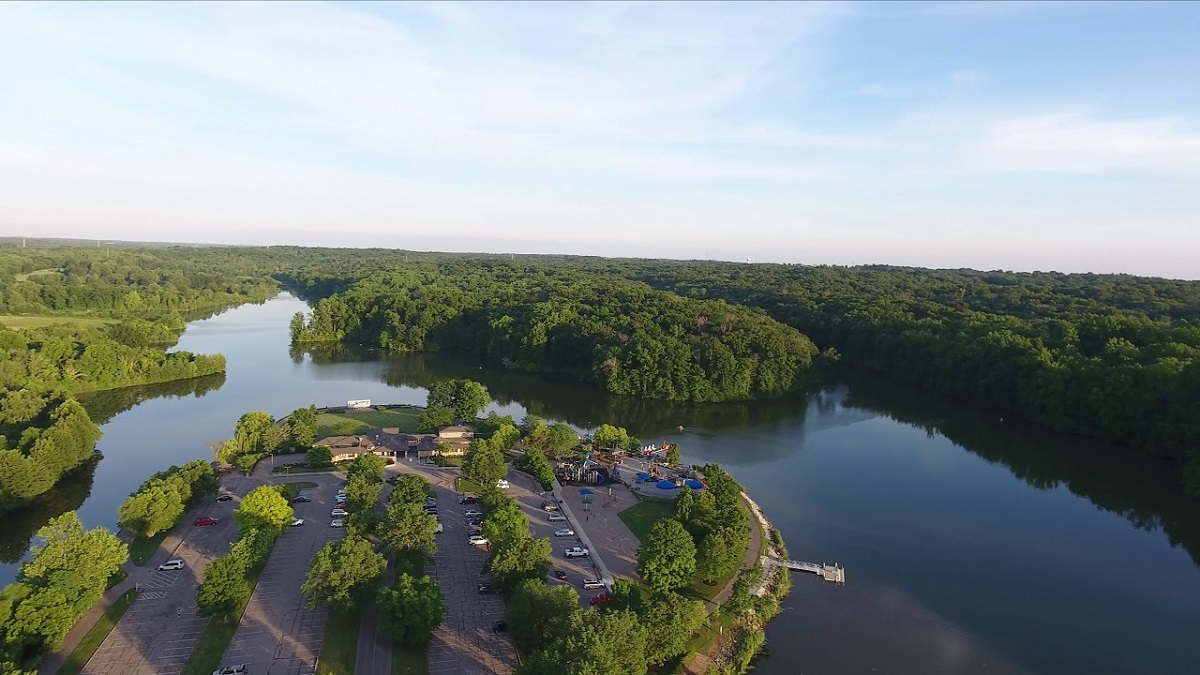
(1006, 135)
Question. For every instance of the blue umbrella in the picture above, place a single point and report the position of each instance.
(642, 475)
(665, 485)
(694, 484)
(586, 491)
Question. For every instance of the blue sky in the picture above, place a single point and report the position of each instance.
(1006, 135)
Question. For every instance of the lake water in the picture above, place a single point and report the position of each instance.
(971, 545)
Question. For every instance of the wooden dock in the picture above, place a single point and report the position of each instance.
(834, 573)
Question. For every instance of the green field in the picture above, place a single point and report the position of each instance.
(18, 321)
(344, 424)
(95, 637)
(340, 649)
(142, 549)
(640, 517)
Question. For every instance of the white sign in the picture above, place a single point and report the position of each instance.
(360, 403)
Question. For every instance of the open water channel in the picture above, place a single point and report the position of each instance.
(972, 545)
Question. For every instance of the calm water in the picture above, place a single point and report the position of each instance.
(970, 545)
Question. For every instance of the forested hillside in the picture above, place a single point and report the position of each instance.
(620, 335)
(1107, 356)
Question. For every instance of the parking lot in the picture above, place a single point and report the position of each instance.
(278, 635)
(161, 628)
(465, 642)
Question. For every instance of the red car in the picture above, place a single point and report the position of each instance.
(601, 598)
(201, 522)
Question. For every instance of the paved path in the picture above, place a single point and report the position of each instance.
(277, 634)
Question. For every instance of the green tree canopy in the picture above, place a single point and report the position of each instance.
(150, 512)
(596, 643)
(264, 508)
(516, 559)
(667, 559)
(342, 572)
(408, 528)
(368, 468)
(560, 439)
(320, 456)
(409, 488)
(411, 610)
(537, 612)
(505, 522)
(434, 417)
(302, 427)
(673, 619)
(225, 588)
(483, 463)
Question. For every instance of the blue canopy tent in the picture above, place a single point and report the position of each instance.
(643, 476)
(665, 485)
(586, 491)
(694, 484)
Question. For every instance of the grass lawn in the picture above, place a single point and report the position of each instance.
(142, 549)
(289, 470)
(37, 321)
(344, 424)
(464, 485)
(449, 460)
(292, 489)
(640, 517)
(340, 649)
(206, 657)
(408, 661)
(116, 578)
(92, 641)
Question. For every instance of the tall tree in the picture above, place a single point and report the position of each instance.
(264, 508)
(411, 610)
(537, 612)
(408, 528)
(667, 559)
(342, 572)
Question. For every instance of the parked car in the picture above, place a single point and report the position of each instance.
(576, 552)
(488, 589)
(225, 498)
(474, 521)
(337, 522)
(565, 532)
(338, 512)
(468, 499)
(499, 626)
(231, 670)
(600, 599)
(171, 565)
(550, 507)
(302, 499)
(438, 529)
(205, 521)
(593, 583)
(297, 522)
(556, 518)
(431, 510)
(477, 540)
(559, 574)
(502, 484)
(473, 513)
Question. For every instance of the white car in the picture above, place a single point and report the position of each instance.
(171, 565)
(338, 512)
(231, 670)
(556, 518)
(565, 532)
(337, 522)
(297, 522)
(576, 552)
(473, 513)
(439, 529)
(502, 484)
(593, 583)
(477, 540)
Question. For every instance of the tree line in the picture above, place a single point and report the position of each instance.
(620, 335)
(42, 438)
(163, 498)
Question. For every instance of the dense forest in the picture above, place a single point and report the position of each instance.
(88, 320)
(620, 335)
(1112, 357)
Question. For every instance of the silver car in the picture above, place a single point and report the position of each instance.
(565, 532)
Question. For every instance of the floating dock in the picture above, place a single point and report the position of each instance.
(834, 573)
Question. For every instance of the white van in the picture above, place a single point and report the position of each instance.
(502, 484)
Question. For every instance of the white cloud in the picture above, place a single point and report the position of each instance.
(1072, 142)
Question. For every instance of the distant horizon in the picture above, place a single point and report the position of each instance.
(84, 242)
(945, 135)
